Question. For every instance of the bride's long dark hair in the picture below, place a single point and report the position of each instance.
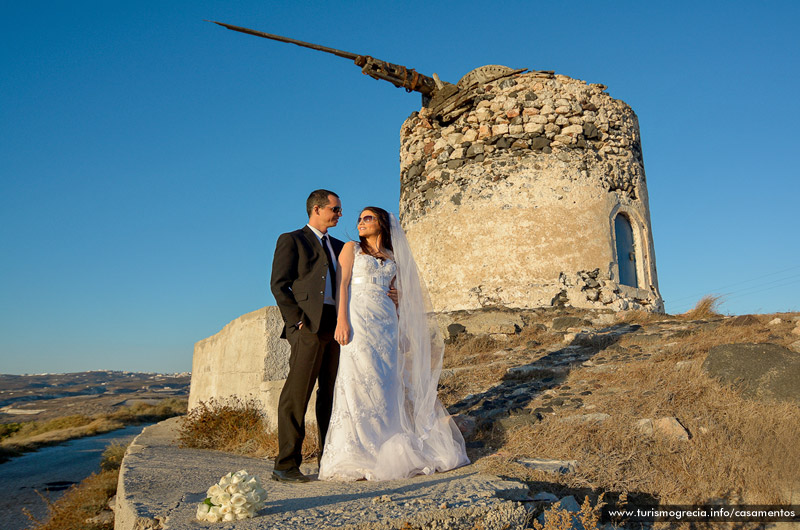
(385, 227)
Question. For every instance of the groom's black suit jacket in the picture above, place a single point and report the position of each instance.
(299, 269)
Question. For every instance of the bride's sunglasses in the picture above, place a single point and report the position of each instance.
(366, 219)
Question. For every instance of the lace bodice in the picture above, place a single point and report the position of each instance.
(371, 272)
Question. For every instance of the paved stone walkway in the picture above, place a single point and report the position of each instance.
(161, 486)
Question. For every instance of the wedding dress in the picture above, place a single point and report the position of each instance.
(387, 422)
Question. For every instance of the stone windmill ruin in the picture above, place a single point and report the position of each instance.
(521, 189)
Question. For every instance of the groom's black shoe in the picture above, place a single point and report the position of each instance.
(289, 475)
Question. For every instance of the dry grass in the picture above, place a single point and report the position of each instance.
(80, 503)
(697, 344)
(740, 450)
(706, 307)
(113, 455)
(29, 436)
(236, 426)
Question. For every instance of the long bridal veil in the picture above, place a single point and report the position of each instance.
(429, 440)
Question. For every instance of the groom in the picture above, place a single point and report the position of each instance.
(304, 285)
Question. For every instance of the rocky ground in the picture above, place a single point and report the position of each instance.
(625, 389)
(531, 378)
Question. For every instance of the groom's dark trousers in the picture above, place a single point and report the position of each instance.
(299, 269)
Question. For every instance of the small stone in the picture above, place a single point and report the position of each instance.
(550, 466)
(466, 424)
(474, 150)
(104, 518)
(775, 321)
(520, 144)
(540, 143)
(671, 427)
(500, 129)
(563, 110)
(545, 496)
(455, 139)
(645, 426)
(572, 129)
(471, 135)
(512, 113)
(516, 129)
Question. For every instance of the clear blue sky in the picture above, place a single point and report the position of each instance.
(149, 159)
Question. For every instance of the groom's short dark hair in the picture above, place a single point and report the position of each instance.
(318, 198)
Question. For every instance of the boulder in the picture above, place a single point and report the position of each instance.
(666, 426)
(763, 371)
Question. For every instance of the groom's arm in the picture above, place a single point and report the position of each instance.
(284, 273)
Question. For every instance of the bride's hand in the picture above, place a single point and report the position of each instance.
(393, 295)
(342, 333)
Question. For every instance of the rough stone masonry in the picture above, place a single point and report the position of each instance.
(520, 192)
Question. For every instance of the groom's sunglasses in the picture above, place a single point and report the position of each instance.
(334, 209)
(366, 219)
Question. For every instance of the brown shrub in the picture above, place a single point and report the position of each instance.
(79, 504)
(113, 455)
(236, 426)
(561, 519)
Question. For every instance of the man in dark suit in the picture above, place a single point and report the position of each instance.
(304, 285)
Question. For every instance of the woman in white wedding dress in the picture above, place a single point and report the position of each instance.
(387, 422)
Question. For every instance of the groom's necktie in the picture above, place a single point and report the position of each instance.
(331, 270)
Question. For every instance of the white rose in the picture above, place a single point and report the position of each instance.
(228, 517)
(214, 490)
(225, 508)
(222, 498)
(213, 514)
(237, 499)
(233, 488)
(202, 511)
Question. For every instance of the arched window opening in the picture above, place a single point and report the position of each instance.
(626, 252)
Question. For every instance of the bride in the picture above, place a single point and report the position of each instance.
(387, 422)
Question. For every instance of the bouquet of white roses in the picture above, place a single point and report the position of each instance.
(236, 496)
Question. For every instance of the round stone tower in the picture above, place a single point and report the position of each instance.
(528, 190)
